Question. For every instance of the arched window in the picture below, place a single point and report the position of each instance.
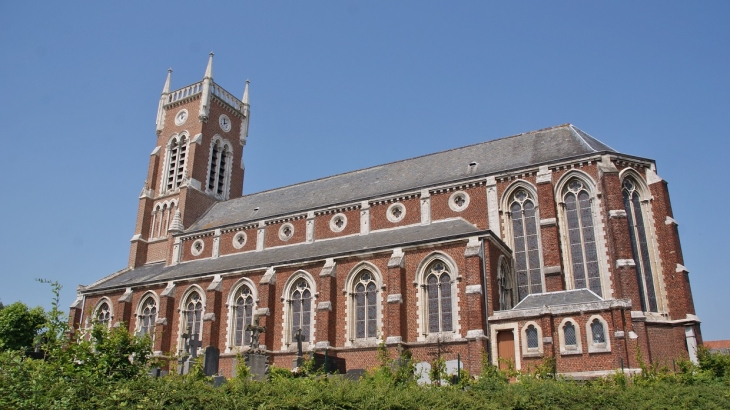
(599, 335)
(639, 245)
(103, 314)
(526, 244)
(300, 309)
(438, 296)
(192, 314)
(242, 316)
(176, 155)
(147, 317)
(532, 341)
(220, 156)
(365, 305)
(582, 248)
(570, 338)
(505, 277)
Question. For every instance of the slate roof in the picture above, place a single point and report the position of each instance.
(318, 250)
(528, 149)
(563, 297)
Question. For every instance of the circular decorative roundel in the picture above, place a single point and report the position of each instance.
(197, 247)
(458, 201)
(181, 117)
(239, 239)
(224, 122)
(338, 222)
(396, 212)
(286, 231)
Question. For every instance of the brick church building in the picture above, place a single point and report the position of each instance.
(543, 244)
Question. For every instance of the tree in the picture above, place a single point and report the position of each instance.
(19, 326)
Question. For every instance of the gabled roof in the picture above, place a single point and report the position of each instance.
(445, 230)
(563, 297)
(491, 157)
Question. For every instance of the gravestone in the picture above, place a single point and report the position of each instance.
(256, 358)
(258, 365)
(423, 370)
(329, 363)
(210, 361)
(189, 358)
(354, 374)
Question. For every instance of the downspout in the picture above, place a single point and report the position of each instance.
(486, 306)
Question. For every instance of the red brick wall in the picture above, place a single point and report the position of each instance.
(299, 236)
(322, 225)
(475, 213)
(226, 242)
(378, 219)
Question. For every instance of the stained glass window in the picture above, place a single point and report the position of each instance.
(569, 335)
(599, 335)
(193, 314)
(242, 316)
(148, 316)
(639, 246)
(581, 237)
(526, 245)
(301, 309)
(532, 342)
(438, 295)
(365, 298)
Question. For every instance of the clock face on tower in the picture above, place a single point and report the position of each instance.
(224, 122)
(181, 117)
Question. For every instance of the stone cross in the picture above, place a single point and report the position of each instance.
(194, 345)
(256, 331)
(299, 338)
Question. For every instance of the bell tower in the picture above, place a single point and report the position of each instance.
(197, 161)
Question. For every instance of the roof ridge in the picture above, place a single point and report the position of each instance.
(399, 161)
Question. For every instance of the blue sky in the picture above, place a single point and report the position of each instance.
(342, 85)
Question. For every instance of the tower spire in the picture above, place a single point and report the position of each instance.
(209, 68)
(244, 122)
(205, 97)
(160, 121)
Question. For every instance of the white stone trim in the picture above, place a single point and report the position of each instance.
(602, 347)
(95, 312)
(216, 284)
(286, 310)
(231, 306)
(282, 234)
(391, 209)
(670, 221)
(365, 218)
(516, 333)
(507, 223)
(269, 277)
(226, 147)
(260, 237)
(548, 222)
(239, 244)
(348, 291)
(180, 310)
(197, 247)
(473, 290)
(421, 299)
(425, 207)
(493, 206)
(333, 222)
(544, 175)
(127, 296)
(570, 309)
(565, 350)
(181, 117)
(452, 201)
(532, 352)
(599, 230)
(616, 213)
(395, 298)
(623, 263)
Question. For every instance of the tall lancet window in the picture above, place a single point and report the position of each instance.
(581, 237)
(301, 309)
(176, 155)
(640, 246)
(220, 156)
(365, 298)
(193, 315)
(523, 216)
(438, 294)
(147, 317)
(242, 315)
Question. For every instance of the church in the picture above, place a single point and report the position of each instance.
(543, 245)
